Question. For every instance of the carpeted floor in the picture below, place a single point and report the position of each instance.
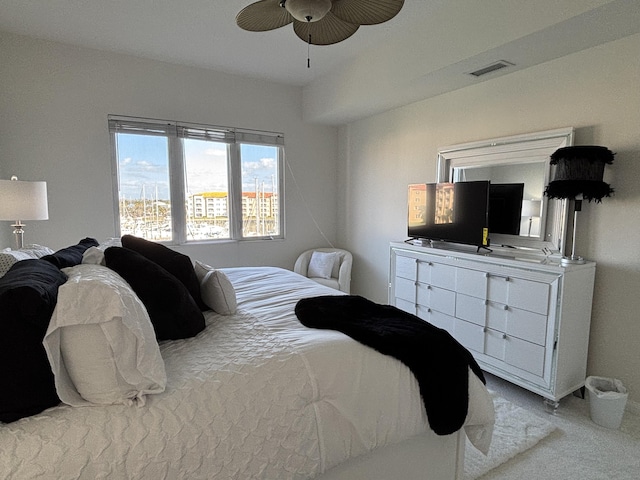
(577, 449)
(515, 431)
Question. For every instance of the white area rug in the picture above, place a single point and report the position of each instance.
(516, 430)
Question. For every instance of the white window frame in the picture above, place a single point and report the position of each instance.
(175, 131)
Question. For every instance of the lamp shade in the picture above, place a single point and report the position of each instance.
(23, 200)
(531, 208)
(579, 171)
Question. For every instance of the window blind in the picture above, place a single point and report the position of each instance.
(145, 126)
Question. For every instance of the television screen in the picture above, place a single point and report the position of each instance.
(453, 212)
(505, 207)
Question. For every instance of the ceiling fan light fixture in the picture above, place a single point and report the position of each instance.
(307, 10)
(317, 22)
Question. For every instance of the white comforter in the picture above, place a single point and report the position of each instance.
(255, 395)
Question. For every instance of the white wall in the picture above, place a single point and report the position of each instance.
(597, 91)
(54, 102)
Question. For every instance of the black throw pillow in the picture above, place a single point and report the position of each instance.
(176, 263)
(71, 256)
(173, 312)
(28, 295)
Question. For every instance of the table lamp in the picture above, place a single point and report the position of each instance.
(22, 201)
(531, 209)
(578, 175)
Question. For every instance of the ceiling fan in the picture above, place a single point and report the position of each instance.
(318, 22)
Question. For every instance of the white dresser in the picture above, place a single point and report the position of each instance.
(524, 320)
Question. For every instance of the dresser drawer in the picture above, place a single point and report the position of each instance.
(436, 298)
(526, 325)
(406, 267)
(525, 355)
(437, 274)
(471, 309)
(409, 307)
(437, 319)
(405, 289)
(523, 324)
(515, 352)
(519, 292)
(469, 335)
(472, 282)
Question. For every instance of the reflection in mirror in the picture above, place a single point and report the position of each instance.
(505, 201)
(513, 187)
(519, 169)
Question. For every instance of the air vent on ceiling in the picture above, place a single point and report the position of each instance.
(500, 64)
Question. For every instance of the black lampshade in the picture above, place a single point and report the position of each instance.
(579, 171)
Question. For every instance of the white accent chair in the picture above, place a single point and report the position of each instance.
(340, 273)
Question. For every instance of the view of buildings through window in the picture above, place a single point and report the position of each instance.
(151, 188)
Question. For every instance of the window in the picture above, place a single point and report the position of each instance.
(179, 182)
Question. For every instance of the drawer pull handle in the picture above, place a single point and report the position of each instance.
(484, 329)
(504, 335)
(506, 278)
(486, 302)
(505, 307)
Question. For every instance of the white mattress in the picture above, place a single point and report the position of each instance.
(255, 395)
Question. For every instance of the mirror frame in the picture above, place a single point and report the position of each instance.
(512, 150)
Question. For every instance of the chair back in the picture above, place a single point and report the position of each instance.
(341, 272)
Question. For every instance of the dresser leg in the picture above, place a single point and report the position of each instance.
(551, 406)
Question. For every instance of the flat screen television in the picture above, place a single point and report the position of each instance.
(451, 212)
(505, 207)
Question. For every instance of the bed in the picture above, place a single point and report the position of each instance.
(255, 394)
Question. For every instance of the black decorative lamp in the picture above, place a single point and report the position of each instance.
(578, 176)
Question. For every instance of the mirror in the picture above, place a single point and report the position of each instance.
(519, 170)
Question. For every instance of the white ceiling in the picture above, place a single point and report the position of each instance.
(427, 49)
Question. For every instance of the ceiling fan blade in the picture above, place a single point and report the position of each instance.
(366, 12)
(327, 31)
(262, 16)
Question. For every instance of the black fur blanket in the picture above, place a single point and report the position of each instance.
(440, 364)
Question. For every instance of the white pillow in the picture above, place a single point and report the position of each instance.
(100, 341)
(216, 290)
(8, 257)
(36, 251)
(321, 264)
(95, 255)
